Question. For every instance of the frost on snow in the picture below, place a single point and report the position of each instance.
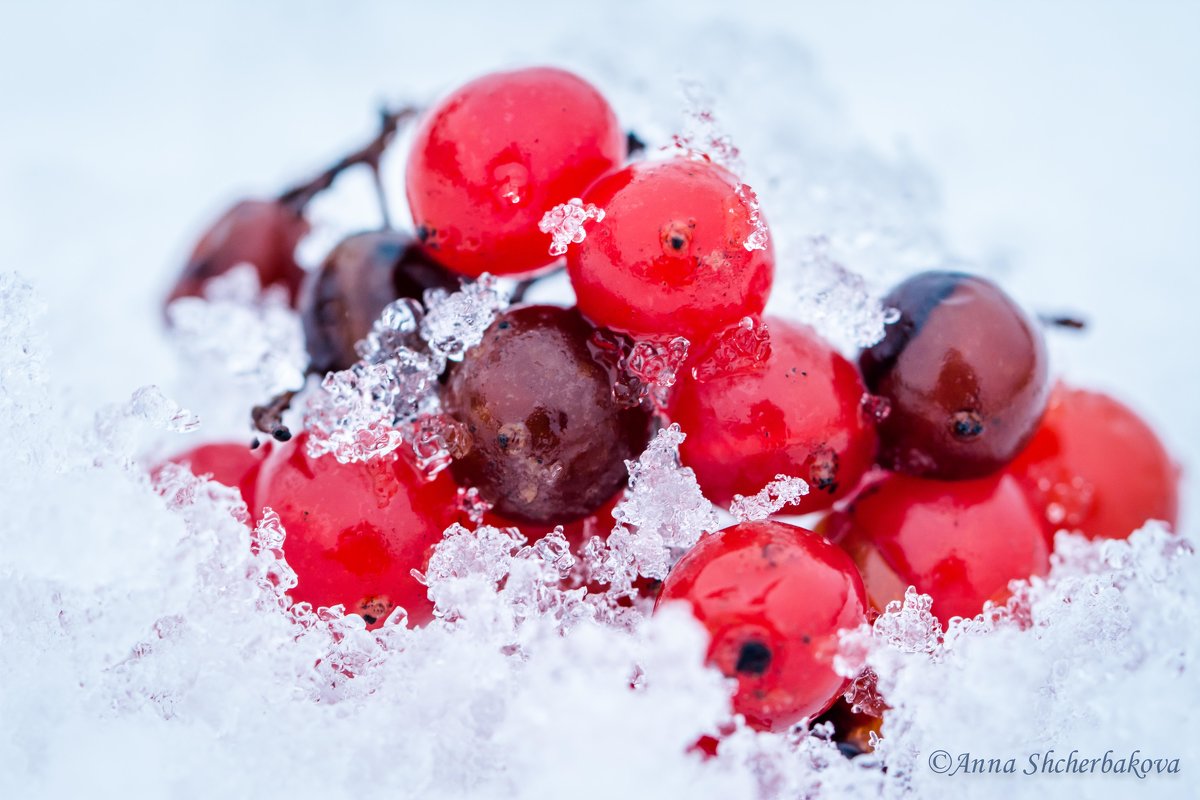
(565, 223)
(244, 330)
(772, 498)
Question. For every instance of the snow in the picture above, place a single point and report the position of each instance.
(565, 223)
(771, 499)
(143, 645)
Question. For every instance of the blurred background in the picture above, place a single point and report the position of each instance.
(1063, 140)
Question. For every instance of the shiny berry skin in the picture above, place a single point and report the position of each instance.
(356, 531)
(1094, 466)
(263, 233)
(960, 542)
(669, 257)
(359, 278)
(965, 373)
(773, 598)
(229, 464)
(798, 413)
(547, 438)
(499, 152)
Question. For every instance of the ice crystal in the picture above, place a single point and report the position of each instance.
(565, 223)
(702, 136)
(772, 498)
(740, 348)
(353, 416)
(836, 301)
(759, 236)
(249, 332)
(455, 321)
(662, 514)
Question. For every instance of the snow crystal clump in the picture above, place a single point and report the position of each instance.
(779, 493)
(248, 332)
(662, 514)
(455, 321)
(565, 223)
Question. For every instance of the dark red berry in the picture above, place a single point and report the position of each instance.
(796, 412)
(547, 438)
(360, 277)
(670, 257)
(965, 373)
(1094, 466)
(773, 598)
(262, 233)
(498, 153)
(230, 464)
(356, 531)
(960, 542)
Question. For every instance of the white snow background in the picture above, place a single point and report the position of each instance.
(1056, 147)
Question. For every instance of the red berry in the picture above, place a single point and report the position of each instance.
(492, 158)
(234, 465)
(1094, 466)
(355, 531)
(262, 233)
(797, 412)
(960, 542)
(669, 258)
(965, 372)
(773, 598)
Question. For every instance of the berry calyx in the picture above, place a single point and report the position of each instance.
(356, 531)
(1096, 467)
(960, 542)
(359, 278)
(670, 257)
(796, 412)
(547, 438)
(498, 153)
(773, 598)
(965, 372)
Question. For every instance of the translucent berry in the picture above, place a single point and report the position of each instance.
(548, 439)
(960, 542)
(230, 464)
(262, 233)
(356, 531)
(676, 254)
(361, 275)
(797, 412)
(773, 598)
(494, 156)
(964, 371)
(1094, 466)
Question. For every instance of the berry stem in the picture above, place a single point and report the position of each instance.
(297, 197)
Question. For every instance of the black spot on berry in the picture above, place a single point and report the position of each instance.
(370, 619)
(281, 434)
(754, 658)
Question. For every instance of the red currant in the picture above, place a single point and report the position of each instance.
(1094, 466)
(234, 465)
(492, 158)
(670, 257)
(262, 233)
(356, 531)
(965, 372)
(960, 542)
(798, 412)
(773, 598)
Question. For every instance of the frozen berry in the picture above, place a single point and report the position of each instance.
(548, 439)
(1094, 466)
(960, 542)
(361, 275)
(773, 598)
(670, 257)
(230, 464)
(356, 531)
(498, 153)
(965, 373)
(796, 412)
(262, 233)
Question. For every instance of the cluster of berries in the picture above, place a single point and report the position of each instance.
(945, 459)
